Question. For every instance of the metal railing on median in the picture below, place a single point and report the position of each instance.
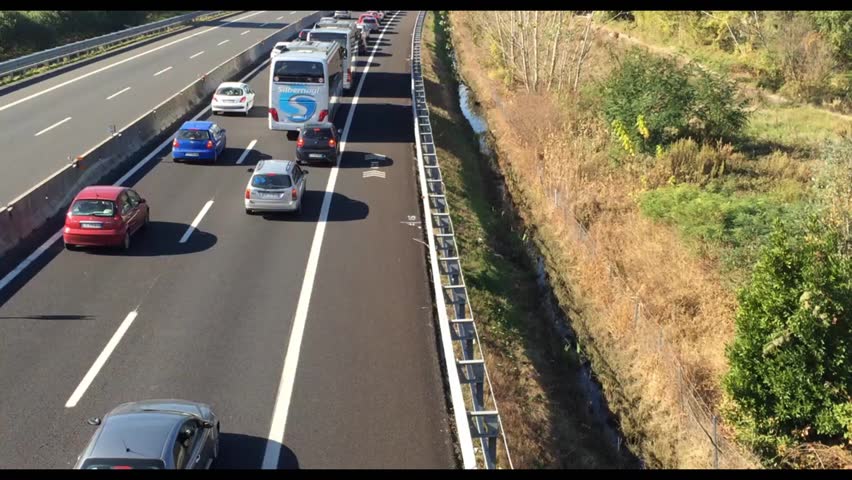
(44, 57)
(475, 410)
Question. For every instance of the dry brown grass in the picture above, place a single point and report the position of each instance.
(684, 294)
(542, 411)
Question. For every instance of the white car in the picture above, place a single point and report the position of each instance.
(345, 14)
(233, 97)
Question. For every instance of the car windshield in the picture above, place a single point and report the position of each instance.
(230, 91)
(193, 135)
(271, 181)
(123, 464)
(95, 208)
(298, 71)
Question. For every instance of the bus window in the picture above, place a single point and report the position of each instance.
(291, 71)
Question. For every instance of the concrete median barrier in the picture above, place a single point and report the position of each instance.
(33, 217)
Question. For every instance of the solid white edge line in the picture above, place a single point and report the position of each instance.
(53, 126)
(197, 221)
(101, 360)
(291, 356)
(246, 152)
(118, 93)
(5, 281)
(222, 42)
(163, 71)
(197, 54)
(107, 67)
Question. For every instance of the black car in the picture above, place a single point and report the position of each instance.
(318, 142)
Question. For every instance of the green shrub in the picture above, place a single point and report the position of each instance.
(655, 102)
(837, 27)
(790, 376)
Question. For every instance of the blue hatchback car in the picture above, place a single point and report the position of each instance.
(198, 141)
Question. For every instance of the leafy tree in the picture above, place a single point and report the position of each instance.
(790, 361)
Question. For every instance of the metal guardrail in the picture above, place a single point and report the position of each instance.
(475, 411)
(54, 54)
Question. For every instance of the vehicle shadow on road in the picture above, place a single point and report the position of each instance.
(342, 209)
(159, 239)
(359, 160)
(238, 451)
(49, 317)
(392, 124)
(363, 63)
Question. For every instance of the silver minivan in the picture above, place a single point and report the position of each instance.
(275, 186)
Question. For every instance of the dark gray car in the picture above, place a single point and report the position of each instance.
(154, 434)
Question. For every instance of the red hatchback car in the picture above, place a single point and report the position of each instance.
(104, 216)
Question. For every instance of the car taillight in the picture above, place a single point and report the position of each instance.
(331, 142)
(243, 100)
(349, 74)
(175, 144)
(300, 142)
(295, 193)
(248, 193)
(209, 144)
(323, 114)
(274, 114)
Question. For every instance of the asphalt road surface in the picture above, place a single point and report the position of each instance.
(216, 316)
(46, 122)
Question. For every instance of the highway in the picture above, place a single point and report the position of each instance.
(46, 122)
(341, 293)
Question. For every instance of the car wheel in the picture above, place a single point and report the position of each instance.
(147, 220)
(249, 211)
(177, 160)
(126, 244)
(299, 209)
(68, 246)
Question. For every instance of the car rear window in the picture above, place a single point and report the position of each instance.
(123, 464)
(271, 181)
(298, 71)
(230, 91)
(193, 135)
(317, 133)
(95, 208)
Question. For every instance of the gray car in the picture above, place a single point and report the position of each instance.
(153, 434)
(275, 186)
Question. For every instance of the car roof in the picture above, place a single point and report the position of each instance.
(102, 192)
(136, 434)
(232, 84)
(274, 166)
(196, 125)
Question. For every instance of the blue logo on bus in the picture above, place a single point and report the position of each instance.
(297, 107)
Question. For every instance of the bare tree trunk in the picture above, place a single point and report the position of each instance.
(535, 52)
(524, 52)
(585, 46)
(513, 24)
(559, 21)
(500, 36)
